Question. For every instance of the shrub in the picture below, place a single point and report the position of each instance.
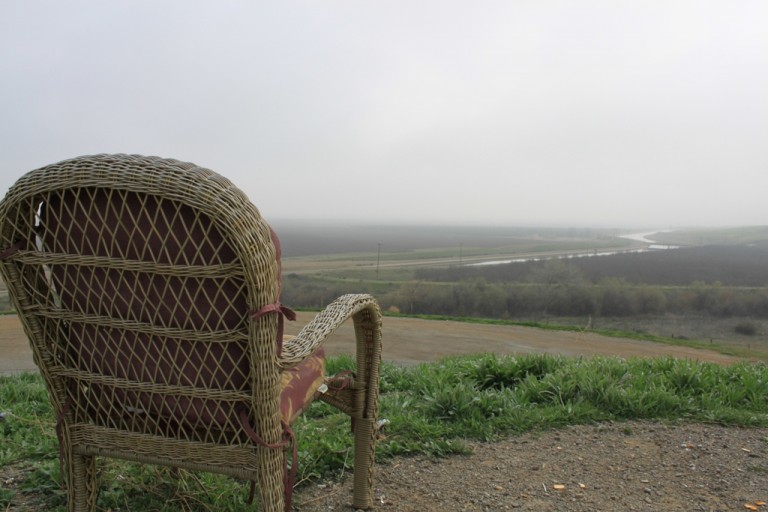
(746, 328)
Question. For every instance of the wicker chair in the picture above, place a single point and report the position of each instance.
(149, 290)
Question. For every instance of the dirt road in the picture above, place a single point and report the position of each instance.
(409, 341)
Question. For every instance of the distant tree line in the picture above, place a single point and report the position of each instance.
(612, 297)
(612, 286)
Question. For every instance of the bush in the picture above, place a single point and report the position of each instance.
(746, 328)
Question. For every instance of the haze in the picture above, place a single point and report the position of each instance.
(526, 112)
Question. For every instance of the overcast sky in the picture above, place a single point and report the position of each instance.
(649, 113)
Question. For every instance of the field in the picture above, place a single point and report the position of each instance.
(699, 295)
(411, 340)
(385, 252)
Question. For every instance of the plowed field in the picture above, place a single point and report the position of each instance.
(408, 341)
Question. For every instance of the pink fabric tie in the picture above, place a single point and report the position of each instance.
(282, 311)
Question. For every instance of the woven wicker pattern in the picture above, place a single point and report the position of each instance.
(136, 279)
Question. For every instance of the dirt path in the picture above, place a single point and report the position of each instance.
(15, 353)
(409, 340)
(633, 466)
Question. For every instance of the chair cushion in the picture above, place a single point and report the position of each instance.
(299, 385)
(130, 226)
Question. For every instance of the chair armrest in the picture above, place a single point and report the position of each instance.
(362, 308)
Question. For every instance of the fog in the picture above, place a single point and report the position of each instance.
(531, 112)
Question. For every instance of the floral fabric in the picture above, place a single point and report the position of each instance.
(300, 384)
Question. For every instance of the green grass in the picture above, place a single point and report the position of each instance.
(433, 409)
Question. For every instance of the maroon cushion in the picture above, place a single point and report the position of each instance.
(133, 226)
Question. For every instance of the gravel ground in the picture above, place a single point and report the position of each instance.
(638, 466)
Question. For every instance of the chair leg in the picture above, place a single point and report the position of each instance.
(365, 447)
(82, 489)
(270, 479)
(368, 335)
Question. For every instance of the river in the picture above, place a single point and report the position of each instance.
(637, 237)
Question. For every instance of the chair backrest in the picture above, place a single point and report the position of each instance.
(134, 278)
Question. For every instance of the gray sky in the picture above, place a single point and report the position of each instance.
(621, 113)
